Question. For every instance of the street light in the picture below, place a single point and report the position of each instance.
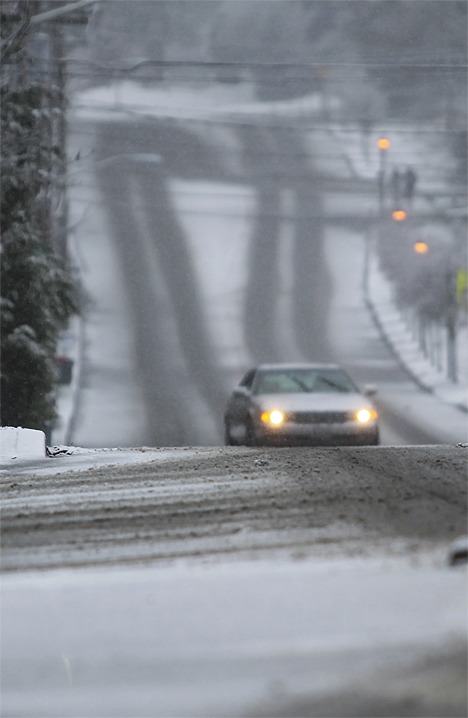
(399, 215)
(383, 145)
(421, 247)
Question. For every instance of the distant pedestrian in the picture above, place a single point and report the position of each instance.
(396, 186)
(409, 185)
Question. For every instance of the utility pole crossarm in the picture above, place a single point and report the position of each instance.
(58, 12)
(11, 44)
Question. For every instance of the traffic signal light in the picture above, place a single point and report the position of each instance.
(399, 215)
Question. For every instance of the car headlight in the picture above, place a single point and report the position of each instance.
(365, 416)
(273, 418)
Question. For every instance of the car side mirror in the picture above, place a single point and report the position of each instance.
(370, 390)
(241, 391)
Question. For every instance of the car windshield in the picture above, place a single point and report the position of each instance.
(297, 381)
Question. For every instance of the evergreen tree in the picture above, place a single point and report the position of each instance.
(37, 289)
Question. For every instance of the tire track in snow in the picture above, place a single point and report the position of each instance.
(167, 392)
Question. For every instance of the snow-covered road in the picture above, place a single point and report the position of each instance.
(220, 250)
(181, 502)
(234, 582)
(227, 641)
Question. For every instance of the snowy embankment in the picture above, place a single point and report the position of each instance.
(408, 147)
(23, 451)
(398, 335)
(19, 443)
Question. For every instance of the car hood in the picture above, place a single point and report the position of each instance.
(311, 402)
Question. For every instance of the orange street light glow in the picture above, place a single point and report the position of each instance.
(383, 143)
(421, 247)
(399, 215)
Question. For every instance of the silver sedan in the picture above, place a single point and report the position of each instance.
(300, 403)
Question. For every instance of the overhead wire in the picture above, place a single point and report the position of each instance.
(237, 122)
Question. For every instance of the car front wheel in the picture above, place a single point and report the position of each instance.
(228, 440)
(250, 437)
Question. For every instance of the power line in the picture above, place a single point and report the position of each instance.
(259, 65)
(241, 122)
(345, 71)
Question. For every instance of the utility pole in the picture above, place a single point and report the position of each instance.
(451, 326)
(58, 78)
(383, 144)
(56, 20)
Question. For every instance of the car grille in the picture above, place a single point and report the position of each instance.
(320, 417)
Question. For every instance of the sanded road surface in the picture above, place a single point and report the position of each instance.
(236, 582)
(232, 499)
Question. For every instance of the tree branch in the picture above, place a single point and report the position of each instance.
(12, 43)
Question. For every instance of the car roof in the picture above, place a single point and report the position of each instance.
(269, 367)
